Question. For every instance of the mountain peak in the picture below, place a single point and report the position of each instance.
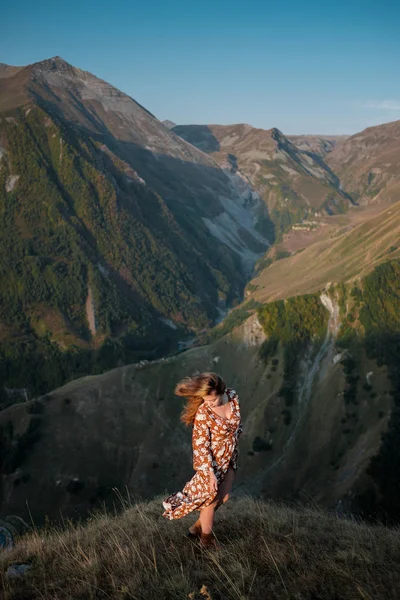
(277, 134)
(56, 60)
(56, 63)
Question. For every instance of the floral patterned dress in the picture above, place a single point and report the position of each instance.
(215, 444)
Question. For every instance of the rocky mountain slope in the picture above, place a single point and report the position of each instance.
(317, 144)
(116, 235)
(169, 124)
(294, 183)
(368, 164)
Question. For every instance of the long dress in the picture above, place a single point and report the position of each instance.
(215, 444)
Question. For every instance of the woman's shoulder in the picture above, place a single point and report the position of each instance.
(201, 414)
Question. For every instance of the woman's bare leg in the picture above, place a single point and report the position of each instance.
(207, 517)
(226, 487)
(207, 513)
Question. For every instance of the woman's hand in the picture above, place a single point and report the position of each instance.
(213, 482)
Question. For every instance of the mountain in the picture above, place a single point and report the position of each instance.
(368, 164)
(318, 379)
(318, 144)
(295, 184)
(118, 238)
(169, 124)
(313, 352)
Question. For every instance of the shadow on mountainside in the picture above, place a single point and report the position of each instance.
(200, 136)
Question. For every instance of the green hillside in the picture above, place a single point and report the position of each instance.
(369, 334)
(79, 235)
(352, 412)
(373, 324)
(343, 254)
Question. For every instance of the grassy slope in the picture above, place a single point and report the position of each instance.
(341, 257)
(269, 551)
(368, 163)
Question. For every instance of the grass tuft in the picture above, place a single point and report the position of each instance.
(269, 551)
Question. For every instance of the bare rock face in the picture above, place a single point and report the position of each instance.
(253, 333)
(100, 107)
(11, 182)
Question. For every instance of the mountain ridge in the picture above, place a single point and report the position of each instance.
(368, 163)
(294, 184)
(92, 154)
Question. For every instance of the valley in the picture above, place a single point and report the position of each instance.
(134, 253)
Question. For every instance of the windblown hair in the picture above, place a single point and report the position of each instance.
(194, 388)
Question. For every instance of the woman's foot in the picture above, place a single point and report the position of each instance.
(195, 530)
(209, 541)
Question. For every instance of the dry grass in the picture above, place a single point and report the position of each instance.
(269, 551)
(351, 254)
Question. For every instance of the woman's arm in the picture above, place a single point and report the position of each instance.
(231, 393)
(201, 443)
(235, 452)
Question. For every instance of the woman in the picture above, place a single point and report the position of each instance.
(214, 411)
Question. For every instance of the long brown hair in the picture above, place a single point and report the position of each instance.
(194, 388)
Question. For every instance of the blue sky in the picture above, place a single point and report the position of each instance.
(304, 67)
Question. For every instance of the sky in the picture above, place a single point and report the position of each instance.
(326, 67)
